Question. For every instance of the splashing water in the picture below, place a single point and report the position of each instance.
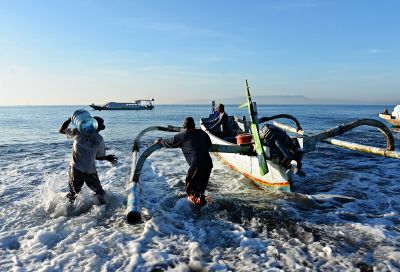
(343, 216)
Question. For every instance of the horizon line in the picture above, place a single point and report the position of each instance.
(207, 104)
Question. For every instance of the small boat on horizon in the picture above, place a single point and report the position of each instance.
(141, 104)
(392, 118)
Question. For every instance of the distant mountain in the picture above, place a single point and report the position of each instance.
(278, 99)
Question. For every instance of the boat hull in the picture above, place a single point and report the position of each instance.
(390, 119)
(99, 108)
(275, 180)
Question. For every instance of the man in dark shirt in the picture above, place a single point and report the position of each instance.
(195, 145)
(220, 125)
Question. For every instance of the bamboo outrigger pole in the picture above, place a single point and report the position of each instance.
(364, 148)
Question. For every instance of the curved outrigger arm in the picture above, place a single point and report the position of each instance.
(279, 116)
(342, 128)
(309, 142)
(133, 202)
(136, 143)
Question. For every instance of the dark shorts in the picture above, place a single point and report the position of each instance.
(197, 179)
(78, 178)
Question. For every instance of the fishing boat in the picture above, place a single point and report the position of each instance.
(275, 157)
(278, 177)
(392, 118)
(141, 104)
(270, 155)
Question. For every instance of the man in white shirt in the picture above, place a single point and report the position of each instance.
(85, 151)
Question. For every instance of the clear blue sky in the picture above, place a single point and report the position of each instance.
(78, 52)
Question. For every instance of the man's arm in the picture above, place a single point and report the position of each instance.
(65, 125)
(218, 123)
(172, 142)
(111, 158)
(212, 121)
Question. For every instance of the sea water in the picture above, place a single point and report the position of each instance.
(343, 216)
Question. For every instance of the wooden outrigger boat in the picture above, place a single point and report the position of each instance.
(392, 118)
(270, 159)
(277, 178)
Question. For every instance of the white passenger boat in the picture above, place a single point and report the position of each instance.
(141, 104)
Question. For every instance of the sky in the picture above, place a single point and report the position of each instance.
(80, 52)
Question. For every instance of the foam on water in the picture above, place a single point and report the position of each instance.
(343, 216)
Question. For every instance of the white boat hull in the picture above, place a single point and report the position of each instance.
(275, 180)
(390, 119)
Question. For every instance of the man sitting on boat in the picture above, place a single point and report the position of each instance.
(195, 144)
(220, 126)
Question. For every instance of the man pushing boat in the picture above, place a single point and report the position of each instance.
(195, 145)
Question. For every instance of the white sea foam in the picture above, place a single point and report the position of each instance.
(344, 215)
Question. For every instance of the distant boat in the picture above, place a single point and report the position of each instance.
(393, 118)
(141, 104)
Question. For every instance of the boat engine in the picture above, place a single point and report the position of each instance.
(282, 146)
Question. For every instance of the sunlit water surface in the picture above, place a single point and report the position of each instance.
(344, 216)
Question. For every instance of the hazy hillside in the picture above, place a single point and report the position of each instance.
(291, 99)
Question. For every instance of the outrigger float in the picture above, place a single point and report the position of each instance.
(268, 156)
